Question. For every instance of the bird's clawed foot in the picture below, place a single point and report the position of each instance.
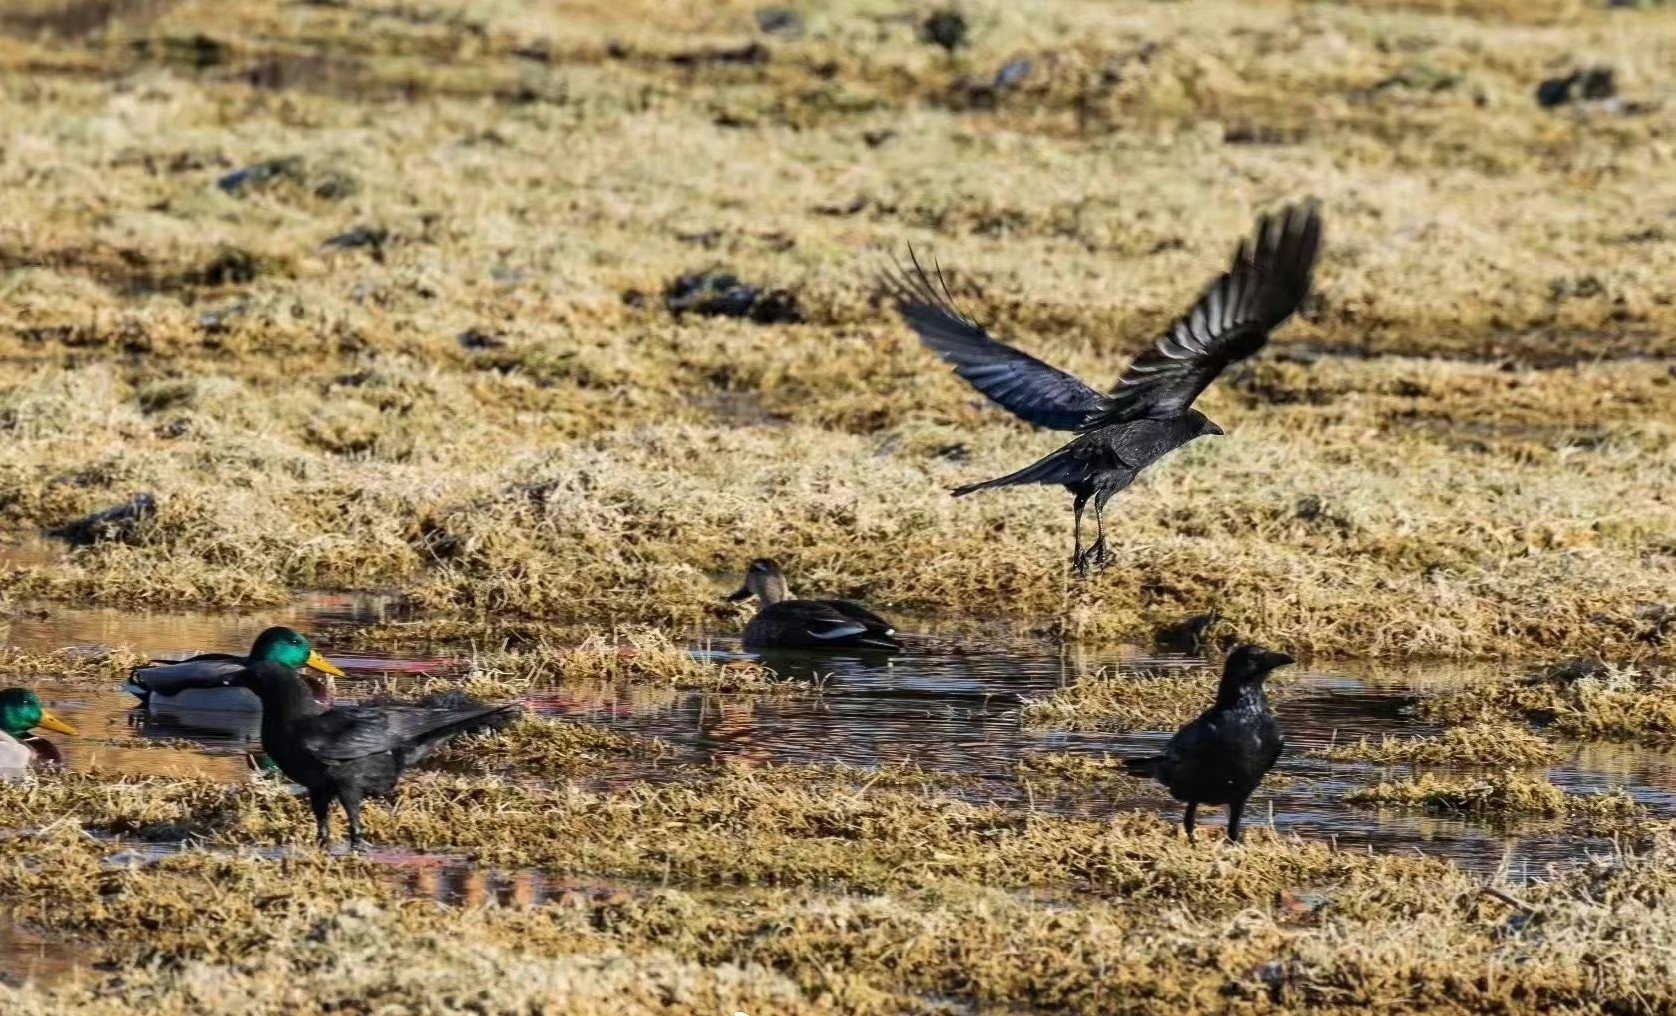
(1093, 559)
(359, 846)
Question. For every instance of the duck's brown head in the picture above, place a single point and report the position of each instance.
(765, 581)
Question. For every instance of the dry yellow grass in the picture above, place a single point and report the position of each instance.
(633, 654)
(307, 416)
(1481, 744)
(1582, 699)
(1270, 921)
(1500, 794)
(1114, 698)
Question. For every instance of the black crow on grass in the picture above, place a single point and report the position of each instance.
(348, 753)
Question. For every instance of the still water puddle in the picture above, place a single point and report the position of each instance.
(948, 705)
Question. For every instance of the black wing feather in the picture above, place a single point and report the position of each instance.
(1269, 278)
(1015, 380)
(349, 733)
(820, 620)
(861, 612)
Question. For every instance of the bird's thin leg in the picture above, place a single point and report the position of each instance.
(321, 802)
(1098, 554)
(1076, 529)
(1188, 817)
(1236, 808)
(352, 807)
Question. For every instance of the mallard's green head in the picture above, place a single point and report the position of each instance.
(21, 712)
(288, 649)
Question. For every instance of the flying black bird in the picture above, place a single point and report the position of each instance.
(1149, 413)
(1222, 756)
(348, 753)
(785, 623)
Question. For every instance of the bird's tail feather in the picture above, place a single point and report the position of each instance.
(493, 717)
(1060, 467)
(1142, 766)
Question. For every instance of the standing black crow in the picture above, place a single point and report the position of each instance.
(1148, 413)
(1222, 756)
(349, 753)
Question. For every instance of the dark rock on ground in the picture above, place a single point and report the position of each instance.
(118, 522)
(361, 236)
(478, 339)
(946, 28)
(1587, 85)
(781, 21)
(714, 293)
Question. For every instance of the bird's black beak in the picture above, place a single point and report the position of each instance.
(1273, 660)
(1214, 430)
(743, 594)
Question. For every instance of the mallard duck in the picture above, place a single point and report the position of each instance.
(207, 682)
(786, 623)
(348, 753)
(20, 750)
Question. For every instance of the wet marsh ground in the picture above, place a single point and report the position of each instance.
(371, 297)
(659, 818)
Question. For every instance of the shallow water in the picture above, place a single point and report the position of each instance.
(947, 705)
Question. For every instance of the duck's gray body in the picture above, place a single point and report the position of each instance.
(203, 683)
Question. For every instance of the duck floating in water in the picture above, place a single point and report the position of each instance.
(20, 748)
(208, 682)
(786, 623)
(346, 754)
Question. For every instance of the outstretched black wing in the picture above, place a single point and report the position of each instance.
(1020, 383)
(1265, 284)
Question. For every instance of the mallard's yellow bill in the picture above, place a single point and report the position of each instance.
(320, 663)
(52, 722)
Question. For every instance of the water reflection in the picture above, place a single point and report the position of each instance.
(177, 635)
(28, 958)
